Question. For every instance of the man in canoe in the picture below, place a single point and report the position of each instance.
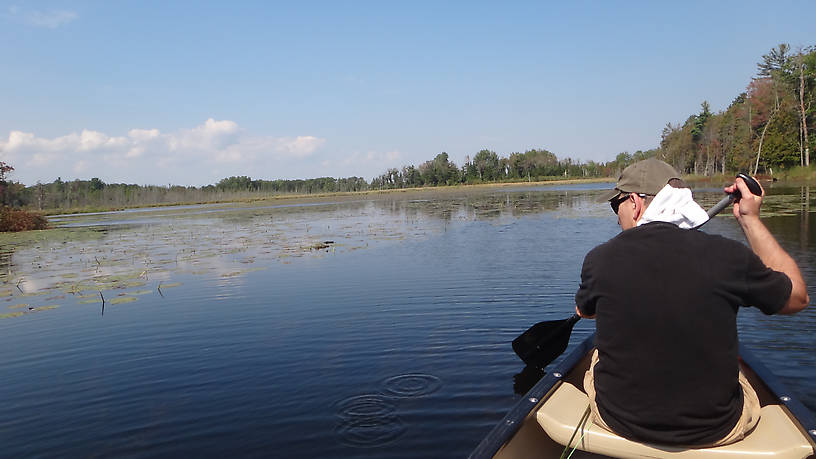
(665, 297)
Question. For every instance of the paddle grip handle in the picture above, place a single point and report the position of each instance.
(753, 186)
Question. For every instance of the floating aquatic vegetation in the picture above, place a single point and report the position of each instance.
(44, 308)
(18, 306)
(124, 299)
(12, 314)
(125, 253)
(320, 245)
(91, 300)
(133, 284)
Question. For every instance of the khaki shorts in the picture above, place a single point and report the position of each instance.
(747, 421)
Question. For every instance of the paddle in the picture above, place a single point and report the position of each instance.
(544, 341)
(753, 186)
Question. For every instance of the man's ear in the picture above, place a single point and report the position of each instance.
(640, 206)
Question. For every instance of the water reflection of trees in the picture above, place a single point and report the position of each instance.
(482, 206)
(804, 217)
(5, 264)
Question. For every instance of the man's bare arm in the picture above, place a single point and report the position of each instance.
(762, 242)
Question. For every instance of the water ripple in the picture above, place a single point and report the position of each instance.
(367, 405)
(369, 432)
(411, 385)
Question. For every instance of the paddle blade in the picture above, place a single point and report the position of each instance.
(544, 342)
(526, 379)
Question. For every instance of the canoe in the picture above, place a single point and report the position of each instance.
(552, 414)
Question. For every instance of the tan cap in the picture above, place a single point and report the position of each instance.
(648, 177)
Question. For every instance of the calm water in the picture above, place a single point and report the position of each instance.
(376, 328)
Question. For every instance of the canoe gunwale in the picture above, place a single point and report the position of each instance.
(512, 421)
(783, 395)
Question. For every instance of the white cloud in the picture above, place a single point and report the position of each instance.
(50, 19)
(300, 146)
(211, 134)
(198, 155)
(143, 135)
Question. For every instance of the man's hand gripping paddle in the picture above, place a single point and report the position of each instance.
(753, 186)
(545, 341)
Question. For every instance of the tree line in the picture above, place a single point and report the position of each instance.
(96, 194)
(487, 167)
(766, 128)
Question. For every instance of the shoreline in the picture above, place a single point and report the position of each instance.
(320, 197)
(715, 180)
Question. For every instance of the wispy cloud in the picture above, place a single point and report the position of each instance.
(214, 149)
(371, 162)
(50, 19)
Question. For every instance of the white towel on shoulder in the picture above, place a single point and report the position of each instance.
(674, 205)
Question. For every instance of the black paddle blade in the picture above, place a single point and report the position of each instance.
(544, 341)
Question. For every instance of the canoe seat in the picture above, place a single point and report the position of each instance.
(775, 435)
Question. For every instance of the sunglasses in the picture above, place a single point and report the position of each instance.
(615, 203)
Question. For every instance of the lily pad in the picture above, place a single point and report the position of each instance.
(252, 270)
(124, 299)
(12, 314)
(170, 285)
(91, 300)
(134, 284)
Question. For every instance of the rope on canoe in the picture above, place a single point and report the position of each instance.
(580, 426)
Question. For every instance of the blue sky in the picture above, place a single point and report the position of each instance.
(191, 92)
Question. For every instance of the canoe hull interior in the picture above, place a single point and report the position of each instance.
(786, 431)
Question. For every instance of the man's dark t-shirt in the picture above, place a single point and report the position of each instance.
(666, 301)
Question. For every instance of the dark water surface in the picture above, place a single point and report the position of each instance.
(375, 328)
